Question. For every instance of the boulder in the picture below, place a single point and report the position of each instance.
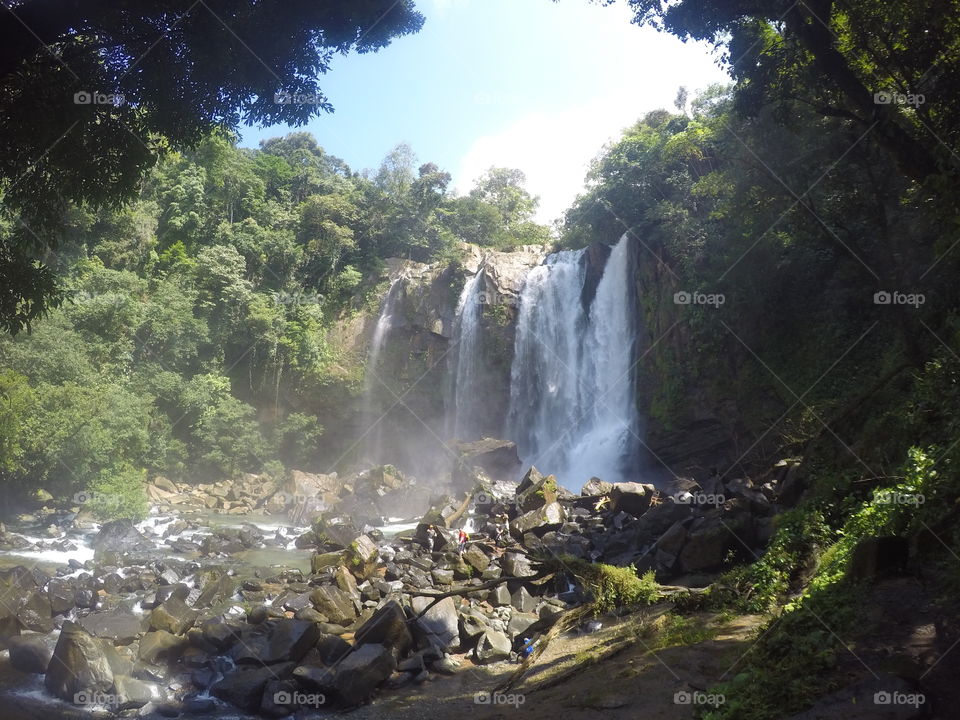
(275, 641)
(334, 603)
(438, 625)
(492, 646)
(536, 490)
(243, 688)
(220, 633)
(476, 558)
(131, 692)
(118, 625)
(517, 565)
(632, 498)
(387, 627)
(707, 544)
(594, 487)
(174, 616)
(321, 561)
(544, 516)
(523, 601)
(120, 536)
(78, 664)
(161, 646)
(360, 672)
(31, 653)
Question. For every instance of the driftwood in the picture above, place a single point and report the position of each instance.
(467, 589)
(459, 511)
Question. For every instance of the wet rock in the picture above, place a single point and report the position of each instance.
(160, 646)
(61, 593)
(334, 603)
(337, 532)
(78, 664)
(275, 641)
(31, 653)
(120, 536)
(244, 688)
(130, 692)
(174, 616)
(492, 646)
(35, 612)
(322, 561)
(387, 627)
(118, 625)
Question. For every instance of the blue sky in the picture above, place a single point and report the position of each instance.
(531, 84)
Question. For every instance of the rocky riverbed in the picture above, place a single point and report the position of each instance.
(329, 593)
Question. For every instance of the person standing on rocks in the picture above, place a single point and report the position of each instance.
(462, 538)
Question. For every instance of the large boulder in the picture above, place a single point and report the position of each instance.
(334, 603)
(160, 646)
(118, 625)
(120, 536)
(243, 688)
(492, 646)
(632, 498)
(536, 490)
(274, 641)
(387, 627)
(438, 625)
(517, 565)
(174, 616)
(551, 514)
(31, 653)
(360, 672)
(78, 665)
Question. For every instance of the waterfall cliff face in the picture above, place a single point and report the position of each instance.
(573, 390)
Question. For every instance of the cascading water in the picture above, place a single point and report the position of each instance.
(374, 428)
(572, 392)
(463, 396)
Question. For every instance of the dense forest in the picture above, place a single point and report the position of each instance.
(176, 314)
(193, 338)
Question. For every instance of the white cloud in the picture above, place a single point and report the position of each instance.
(554, 149)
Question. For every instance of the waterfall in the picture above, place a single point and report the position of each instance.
(572, 390)
(463, 396)
(371, 415)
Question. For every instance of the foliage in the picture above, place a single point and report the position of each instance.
(117, 494)
(612, 587)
